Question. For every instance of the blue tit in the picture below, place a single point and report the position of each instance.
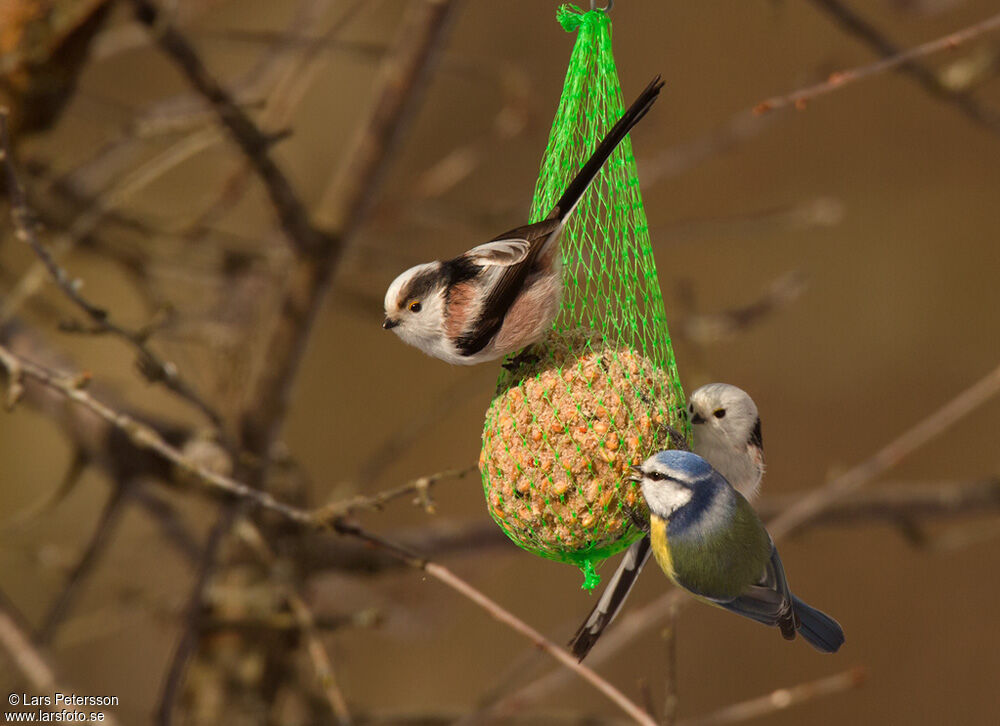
(709, 541)
(727, 433)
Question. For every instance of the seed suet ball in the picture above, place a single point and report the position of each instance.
(571, 417)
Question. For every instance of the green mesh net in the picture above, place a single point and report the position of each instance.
(601, 392)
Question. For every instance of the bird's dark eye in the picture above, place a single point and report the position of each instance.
(656, 476)
(719, 413)
(414, 306)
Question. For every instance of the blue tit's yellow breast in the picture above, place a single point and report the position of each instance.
(661, 547)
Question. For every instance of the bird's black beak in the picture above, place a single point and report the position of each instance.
(636, 473)
(388, 323)
(698, 419)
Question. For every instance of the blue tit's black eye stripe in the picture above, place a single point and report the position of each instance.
(656, 476)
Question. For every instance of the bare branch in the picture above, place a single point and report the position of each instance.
(190, 633)
(319, 553)
(782, 698)
(891, 454)
(419, 486)
(895, 502)
(144, 436)
(154, 368)
(256, 146)
(102, 535)
(893, 59)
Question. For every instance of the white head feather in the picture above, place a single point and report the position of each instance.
(414, 307)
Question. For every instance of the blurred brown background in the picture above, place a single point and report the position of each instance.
(881, 196)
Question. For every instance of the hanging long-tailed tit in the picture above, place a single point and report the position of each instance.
(501, 296)
(726, 434)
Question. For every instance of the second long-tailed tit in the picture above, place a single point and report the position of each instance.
(727, 434)
(503, 295)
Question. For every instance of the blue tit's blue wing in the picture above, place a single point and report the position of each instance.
(768, 601)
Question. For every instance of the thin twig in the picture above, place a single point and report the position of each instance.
(540, 641)
(144, 436)
(891, 454)
(99, 206)
(294, 76)
(188, 642)
(419, 486)
(894, 502)
(893, 59)
(317, 553)
(782, 699)
(104, 530)
(256, 146)
(154, 368)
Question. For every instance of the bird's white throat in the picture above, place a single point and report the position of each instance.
(664, 497)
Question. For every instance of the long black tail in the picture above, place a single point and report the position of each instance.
(820, 630)
(568, 201)
(612, 598)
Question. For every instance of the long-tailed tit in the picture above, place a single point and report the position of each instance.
(727, 434)
(503, 295)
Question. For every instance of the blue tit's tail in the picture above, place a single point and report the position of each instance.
(820, 630)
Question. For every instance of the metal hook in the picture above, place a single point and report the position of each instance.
(605, 10)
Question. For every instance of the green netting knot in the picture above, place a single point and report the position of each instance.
(590, 576)
(571, 17)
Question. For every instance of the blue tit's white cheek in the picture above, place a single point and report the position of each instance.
(664, 497)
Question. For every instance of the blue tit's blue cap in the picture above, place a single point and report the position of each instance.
(685, 463)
